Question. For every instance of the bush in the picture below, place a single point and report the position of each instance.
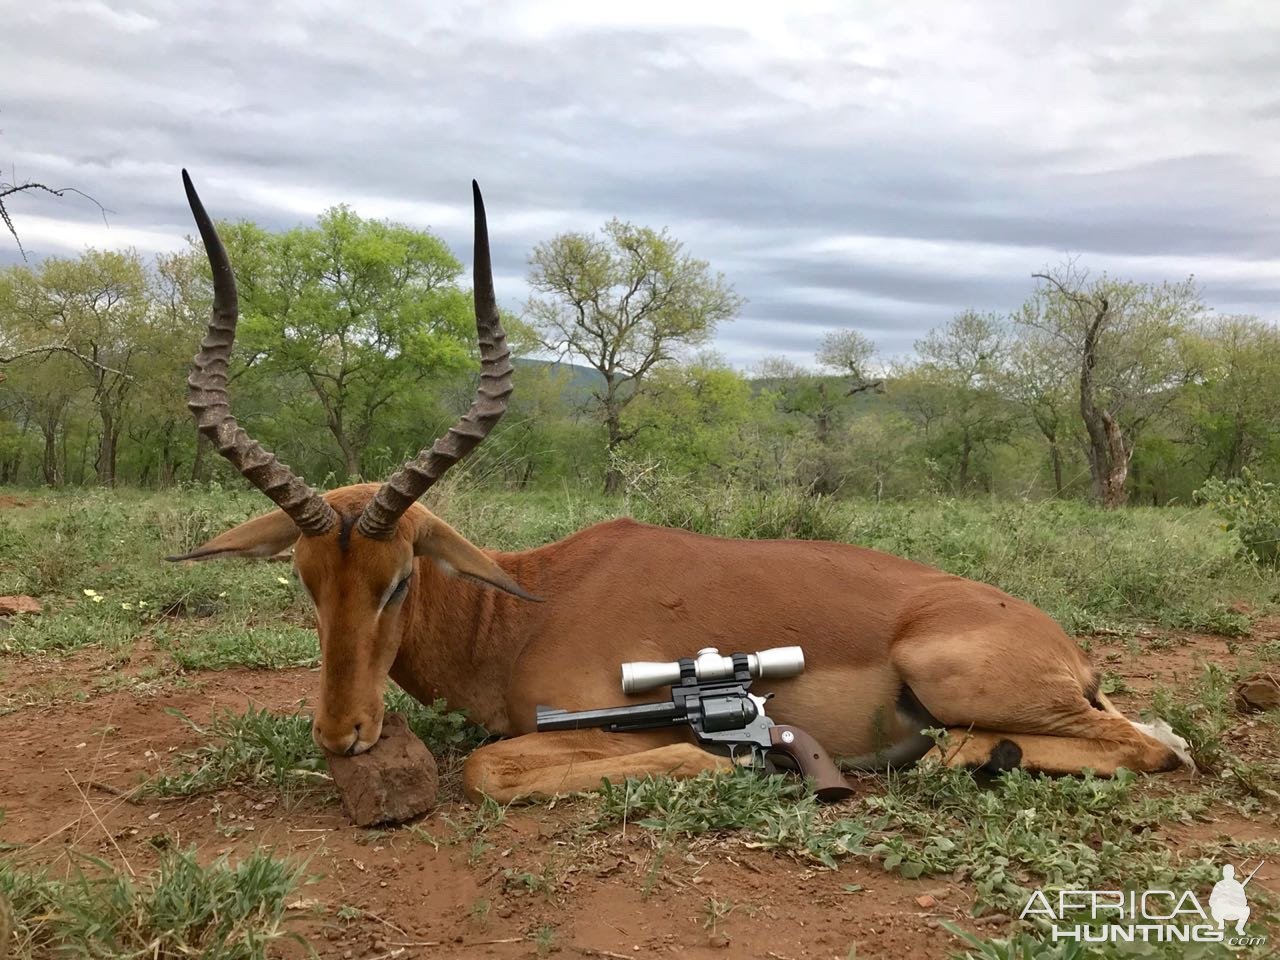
(1252, 510)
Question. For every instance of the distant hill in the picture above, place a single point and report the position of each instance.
(582, 380)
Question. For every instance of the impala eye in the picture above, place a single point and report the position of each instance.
(398, 592)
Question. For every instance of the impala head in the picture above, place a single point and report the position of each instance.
(354, 548)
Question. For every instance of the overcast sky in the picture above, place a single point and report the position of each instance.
(878, 166)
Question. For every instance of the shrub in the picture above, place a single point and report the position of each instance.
(1251, 508)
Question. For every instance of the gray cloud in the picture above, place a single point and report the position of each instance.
(882, 171)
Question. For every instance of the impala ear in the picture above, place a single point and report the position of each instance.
(263, 536)
(458, 556)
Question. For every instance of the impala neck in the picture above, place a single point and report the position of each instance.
(461, 640)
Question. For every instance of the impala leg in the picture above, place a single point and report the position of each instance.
(1009, 699)
(990, 751)
(550, 764)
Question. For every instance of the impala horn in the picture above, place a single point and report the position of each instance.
(378, 520)
(207, 396)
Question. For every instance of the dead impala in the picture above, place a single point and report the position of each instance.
(891, 646)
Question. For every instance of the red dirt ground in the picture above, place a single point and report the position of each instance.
(66, 764)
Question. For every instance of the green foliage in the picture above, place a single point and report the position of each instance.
(441, 729)
(1024, 830)
(1251, 507)
(255, 748)
(257, 646)
(774, 811)
(1087, 568)
(625, 304)
(733, 511)
(261, 749)
(1020, 946)
(357, 310)
(218, 911)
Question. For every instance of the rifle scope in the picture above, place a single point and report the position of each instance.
(641, 675)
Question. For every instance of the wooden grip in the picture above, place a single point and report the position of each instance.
(828, 782)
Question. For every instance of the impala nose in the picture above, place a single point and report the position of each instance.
(343, 739)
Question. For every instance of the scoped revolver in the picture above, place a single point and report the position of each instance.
(711, 693)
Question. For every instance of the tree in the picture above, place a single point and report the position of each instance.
(852, 355)
(178, 312)
(1038, 376)
(361, 311)
(961, 364)
(1232, 405)
(95, 308)
(623, 304)
(693, 418)
(1129, 343)
(821, 399)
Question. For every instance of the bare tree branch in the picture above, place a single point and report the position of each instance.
(9, 189)
(67, 350)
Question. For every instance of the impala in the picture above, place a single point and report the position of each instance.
(892, 647)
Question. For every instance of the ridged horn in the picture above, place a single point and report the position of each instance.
(207, 395)
(378, 520)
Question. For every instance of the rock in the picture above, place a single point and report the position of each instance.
(390, 783)
(19, 604)
(1258, 692)
(926, 901)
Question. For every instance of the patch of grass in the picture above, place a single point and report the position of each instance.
(1088, 568)
(1021, 830)
(544, 939)
(1020, 946)
(218, 912)
(1202, 719)
(1204, 715)
(546, 882)
(260, 647)
(256, 748)
(260, 749)
(774, 811)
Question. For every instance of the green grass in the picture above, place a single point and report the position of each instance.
(96, 559)
(252, 749)
(257, 646)
(1020, 831)
(263, 750)
(217, 911)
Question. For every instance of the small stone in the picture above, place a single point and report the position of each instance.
(926, 901)
(19, 604)
(1258, 692)
(394, 781)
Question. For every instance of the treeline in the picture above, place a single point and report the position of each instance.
(356, 348)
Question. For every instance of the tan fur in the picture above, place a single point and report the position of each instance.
(976, 658)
